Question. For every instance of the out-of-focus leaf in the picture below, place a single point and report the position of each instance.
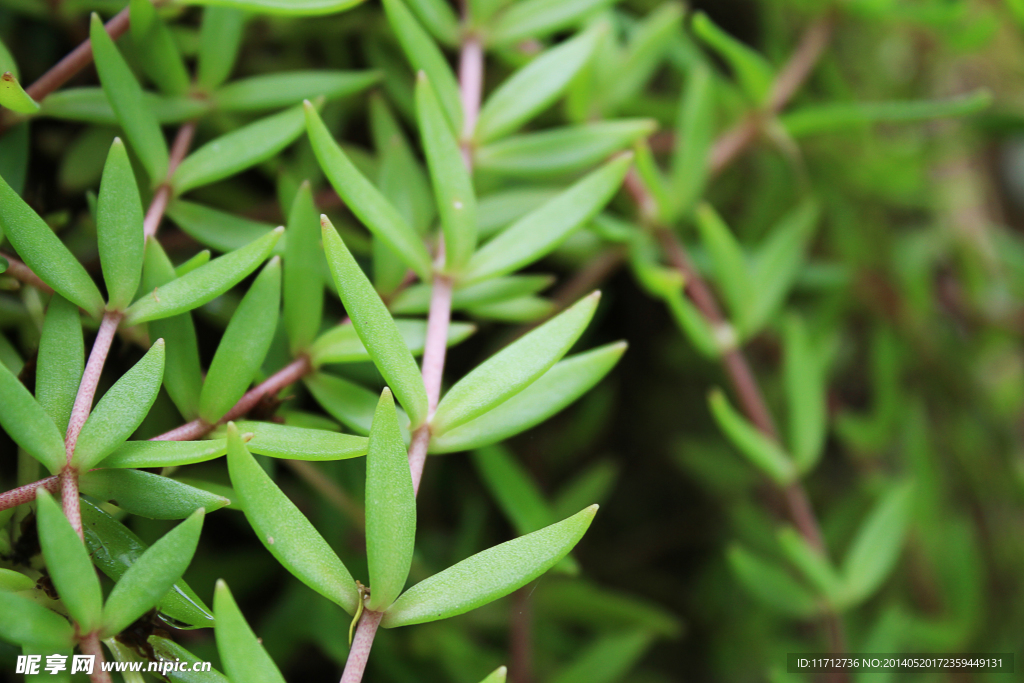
(761, 451)
(390, 507)
(416, 298)
(119, 227)
(569, 379)
(524, 309)
(648, 43)
(218, 230)
(752, 71)
(244, 345)
(401, 178)
(439, 18)
(606, 660)
(876, 547)
(61, 361)
(268, 91)
(168, 650)
(243, 655)
(90, 105)
(285, 532)
(125, 96)
(579, 601)
(349, 403)
(498, 210)
(148, 495)
(694, 134)
(513, 489)
(203, 284)
(121, 410)
(140, 454)
(496, 676)
(341, 344)
(488, 575)
(157, 50)
(592, 485)
(805, 393)
(534, 87)
(514, 368)
(35, 625)
(375, 327)
(298, 443)
(811, 562)
(68, 564)
(770, 583)
(14, 97)
(295, 8)
(14, 156)
(540, 18)
(732, 274)
(219, 39)
(200, 259)
(303, 288)
(28, 424)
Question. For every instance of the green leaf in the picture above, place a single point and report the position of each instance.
(14, 146)
(553, 391)
(12, 581)
(542, 230)
(158, 53)
(496, 676)
(45, 254)
(499, 210)
(219, 230)
(648, 42)
(876, 547)
(242, 653)
(164, 453)
(375, 327)
(578, 601)
(536, 86)
(732, 274)
(514, 368)
(694, 135)
(299, 443)
(203, 284)
(294, 8)
(183, 376)
(238, 150)
(540, 18)
(762, 452)
(148, 495)
(811, 562)
(60, 362)
(151, 576)
(754, 73)
(363, 199)
(453, 186)
(593, 485)
(514, 490)
(121, 410)
(68, 564)
(35, 625)
(488, 575)
(114, 549)
(341, 344)
(285, 532)
(416, 298)
(770, 583)
(119, 227)
(439, 18)
(524, 309)
(561, 151)
(125, 96)
(200, 259)
(28, 424)
(349, 403)
(805, 393)
(220, 36)
(833, 116)
(424, 55)
(90, 105)
(303, 288)
(401, 178)
(390, 507)
(168, 650)
(270, 91)
(244, 345)
(695, 326)
(14, 97)
(606, 660)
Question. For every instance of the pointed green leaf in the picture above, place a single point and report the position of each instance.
(648, 42)
(341, 344)
(811, 562)
(694, 135)
(416, 298)
(300, 443)
(12, 581)
(45, 254)
(349, 403)
(606, 660)
(35, 625)
(168, 650)
(754, 73)
(375, 327)
(303, 288)
(453, 186)
(364, 200)
(61, 361)
(496, 676)
(125, 96)
(152, 575)
(285, 532)
(14, 97)
(238, 150)
(158, 53)
(732, 274)
(488, 575)
(577, 601)
(514, 368)
(695, 326)
(401, 178)
(390, 507)
(269, 91)
(876, 547)
(219, 230)
(141, 454)
(805, 393)
(561, 151)
(514, 490)
(540, 18)
(121, 410)
(501, 209)
(68, 564)
(761, 451)
(295, 8)
(14, 149)
(542, 230)
(220, 36)
(439, 18)
(523, 309)
(243, 655)
(148, 495)
(203, 284)
(119, 227)
(90, 105)
(770, 583)
(244, 345)
(593, 485)
(28, 425)
(569, 379)
(536, 86)
(200, 259)
(424, 55)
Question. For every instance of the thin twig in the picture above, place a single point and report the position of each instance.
(155, 213)
(355, 665)
(90, 645)
(21, 272)
(520, 637)
(27, 493)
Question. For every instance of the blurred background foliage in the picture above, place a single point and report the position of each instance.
(910, 289)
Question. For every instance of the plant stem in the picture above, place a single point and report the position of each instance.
(155, 213)
(90, 645)
(355, 665)
(21, 272)
(27, 493)
(521, 642)
(471, 81)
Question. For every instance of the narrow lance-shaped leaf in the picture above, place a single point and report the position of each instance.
(648, 43)
(148, 495)
(514, 368)
(876, 547)
(390, 507)
(811, 562)
(439, 18)
(301, 443)
(365, 201)
(516, 493)
(489, 575)
(142, 586)
(416, 298)
(244, 345)
(45, 254)
(90, 105)
(453, 186)
(119, 228)
(375, 327)
(496, 676)
(754, 74)
(219, 230)
(349, 403)
(61, 360)
(200, 259)
(220, 36)
(168, 650)
(14, 151)
(341, 344)
(296, 8)
(534, 87)
(140, 454)
(28, 425)
(35, 626)
(125, 96)
(770, 583)
(121, 410)
(243, 655)
(203, 284)
(695, 130)
(268, 91)
(68, 564)
(285, 532)
(157, 50)
(805, 393)
(762, 452)
(731, 271)
(401, 177)
(540, 18)
(608, 659)
(303, 288)
(14, 97)
(538, 233)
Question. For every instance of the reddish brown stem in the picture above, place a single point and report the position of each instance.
(90, 379)
(520, 637)
(19, 271)
(27, 493)
(90, 645)
(355, 665)
(155, 213)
